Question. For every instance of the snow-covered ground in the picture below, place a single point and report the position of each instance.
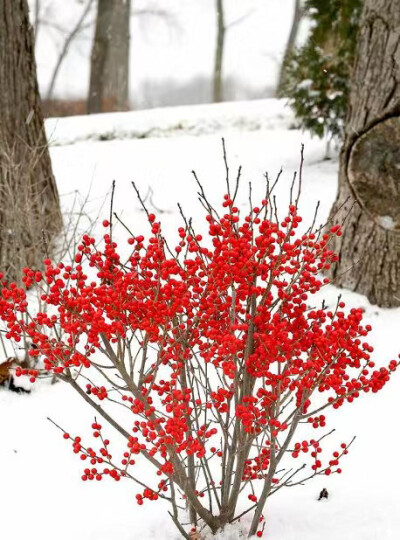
(210, 119)
(41, 494)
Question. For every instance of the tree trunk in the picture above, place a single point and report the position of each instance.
(290, 45)
(219, 53)
(30, 214)
(368, 201)
(109, 70)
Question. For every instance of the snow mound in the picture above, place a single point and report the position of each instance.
(171, 121)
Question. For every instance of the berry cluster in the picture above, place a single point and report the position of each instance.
(212, 349)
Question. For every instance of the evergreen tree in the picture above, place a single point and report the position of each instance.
(318, 73)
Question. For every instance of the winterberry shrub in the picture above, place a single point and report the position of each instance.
(211, 349)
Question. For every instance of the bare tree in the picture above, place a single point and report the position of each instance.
(36, 19)
(64, 50)
(290, 45)
(222, 29)
(26, 177)
(219, 52)
(109, 73)
(368, 199)
(68, 35)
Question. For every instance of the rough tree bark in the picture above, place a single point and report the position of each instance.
(30, 214)
(109, 70)
(219, 52)
(290, 45)
(368, 199)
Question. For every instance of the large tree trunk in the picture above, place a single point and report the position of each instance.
(30, 214)
(109, 73)
(290, 45)
(368, 200)
(219, 53)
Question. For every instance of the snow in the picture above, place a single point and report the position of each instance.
(387, 222)
(172, 121)
(41, 494)
(305, 85)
